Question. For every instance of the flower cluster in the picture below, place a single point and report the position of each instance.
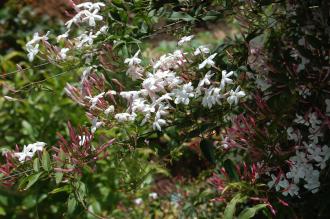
(29, 151)
(168, 82)
(33, 45)
(309, 159)
(164, 84)
(86, 12)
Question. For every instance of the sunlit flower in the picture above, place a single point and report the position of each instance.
(183, 94)
(134, 60)
(185, 39)
(202, 50)
(92, 17)
(208, 62)
(234, 96)
(225, 78)
(63, 52)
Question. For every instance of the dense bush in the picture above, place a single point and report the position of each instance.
(198, 128)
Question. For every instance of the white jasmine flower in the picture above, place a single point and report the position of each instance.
(208, 62)
(135, 72)
(112, 92)
(225, 142)
(130, 95)
(225, 78)
(38, 146)
(75, 20)
(315, 153)
(165, 97)
(292, 190)
(33, 45)
(109, 110)
(153, 195)
(235, 96)
(326, 155)
(29, 151)
(300, 120)
(103, 29)
(304, 91)
(312, 118)
(139, 104)
(296, 172)
(292, 135)
(83, 139)
(36, 39)
(211, 97)
(62, 36)
(183, 94)
(90, 6)
(312, 180)
(96, 124)
(92, 17)
(138, 201)
(158, 123)
(84, 38)
(134, 60)
(202, 50)
(274, 182)
(206, 79)
(185, 39)
(327, 103)
(33, 51)
(94, 100)
(124, 117)
(170, 61)
(26, 153)
(63, 52)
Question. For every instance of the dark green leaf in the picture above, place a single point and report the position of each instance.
(208, 150)
(46, 161)
(32, 180)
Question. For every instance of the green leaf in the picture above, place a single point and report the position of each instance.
(72, 204)
(231, 170)
(181, 16)
(65, 188)
(250, 212)
(2, 211)
(207, 149)
(36, 165)
(144, 28)
(211, 15)
(32, 180)
(231, 207)
(58, 177)
(46, 161)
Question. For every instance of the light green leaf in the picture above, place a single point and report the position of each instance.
(36, 165)
(181, 16)
(2, 211)
(58, 177)
(65, 188)
(250, 212)
(46, 161)
(231, 207)
(72, 204)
